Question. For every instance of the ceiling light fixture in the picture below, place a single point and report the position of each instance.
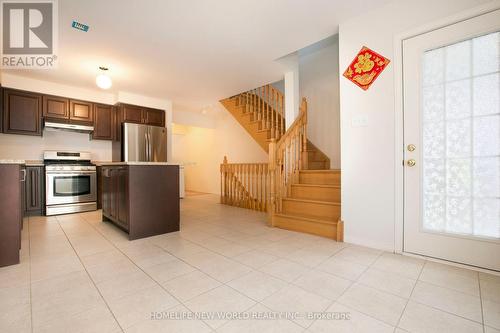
(102, 80)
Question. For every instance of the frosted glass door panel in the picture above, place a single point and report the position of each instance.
(460, 113)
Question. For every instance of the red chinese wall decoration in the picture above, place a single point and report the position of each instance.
(366, 67)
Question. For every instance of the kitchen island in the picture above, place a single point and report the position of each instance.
(12, 175)
(142, 198)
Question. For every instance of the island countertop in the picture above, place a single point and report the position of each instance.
(135, 163)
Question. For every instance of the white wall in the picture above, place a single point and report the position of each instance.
(202, 150)
(368, 152)
(25, 147)
(319, 84)
(32, 147)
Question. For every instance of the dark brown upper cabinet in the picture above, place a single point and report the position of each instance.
(55, 107)
(103, 122)
(81, 111)
(22, 112)
(132, 114)
(154, 117)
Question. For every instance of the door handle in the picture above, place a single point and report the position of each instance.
(146, 152)
(411, 147)
(150, 148)
(411, 163)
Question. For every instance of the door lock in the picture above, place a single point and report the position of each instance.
(411, 163)
(411, 147)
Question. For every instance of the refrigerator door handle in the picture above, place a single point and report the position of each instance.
(146, 145)
(150, 146)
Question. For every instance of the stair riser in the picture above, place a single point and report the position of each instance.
(319, 229)
(316, 193)
(320, 178)
(310, 209)
(315, 155)
(317, 165)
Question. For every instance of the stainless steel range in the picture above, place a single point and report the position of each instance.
(70, 182)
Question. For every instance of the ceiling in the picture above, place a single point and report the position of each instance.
(193, 52)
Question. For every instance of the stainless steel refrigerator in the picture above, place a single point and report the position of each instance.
(144, 143)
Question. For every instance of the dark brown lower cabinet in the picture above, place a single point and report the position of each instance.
(35, 191)
(11, 213)
(143, 200)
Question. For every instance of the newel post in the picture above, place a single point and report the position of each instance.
(272, 183)
(223, 181)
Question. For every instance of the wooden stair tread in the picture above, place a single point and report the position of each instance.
(308, 219)
(313, 201)
(321, 171)
(317, 185)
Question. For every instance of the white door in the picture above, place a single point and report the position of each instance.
(452, 136)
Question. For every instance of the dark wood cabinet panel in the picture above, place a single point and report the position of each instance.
(22, 112)
(132, 114)
(122, 196)
(154, 117)
(115, 195)
(55, 107)
(106, 191)
(81, 111)
(10, 213)
(103, 122)
(142, 200)
(35, 194)
(1, 109)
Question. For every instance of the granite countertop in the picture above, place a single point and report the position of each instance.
(25, 162)
(139, 163)
(34, 163)
(12, 161)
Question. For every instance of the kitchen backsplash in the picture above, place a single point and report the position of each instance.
(31, 147)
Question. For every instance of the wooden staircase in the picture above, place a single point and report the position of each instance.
(313, 205)
(302, 193)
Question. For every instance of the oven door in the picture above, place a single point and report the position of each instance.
(70, 187)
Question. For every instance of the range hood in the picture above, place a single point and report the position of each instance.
(49, 125)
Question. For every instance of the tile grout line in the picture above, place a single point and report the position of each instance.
(357, 281)
(90, 277)
(411, 293)
(221, 282)
(442, 310)
(142, 270)
(481, 301)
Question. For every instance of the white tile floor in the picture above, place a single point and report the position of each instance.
(79, 274)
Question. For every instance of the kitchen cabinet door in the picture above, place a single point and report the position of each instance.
(132, 114)
(10, 213)
(81, 111)
(22, 112)
(103, 122)
(154, 117)
(35, 196)
(106, 191)
(122, 196)
(55, 107)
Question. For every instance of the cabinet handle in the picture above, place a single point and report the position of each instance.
(24, 175)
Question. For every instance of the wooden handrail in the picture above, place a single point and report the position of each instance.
(245, 185)
(286, 158)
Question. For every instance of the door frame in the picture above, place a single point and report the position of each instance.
(399, 112)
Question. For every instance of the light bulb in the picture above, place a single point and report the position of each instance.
(103, 81)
